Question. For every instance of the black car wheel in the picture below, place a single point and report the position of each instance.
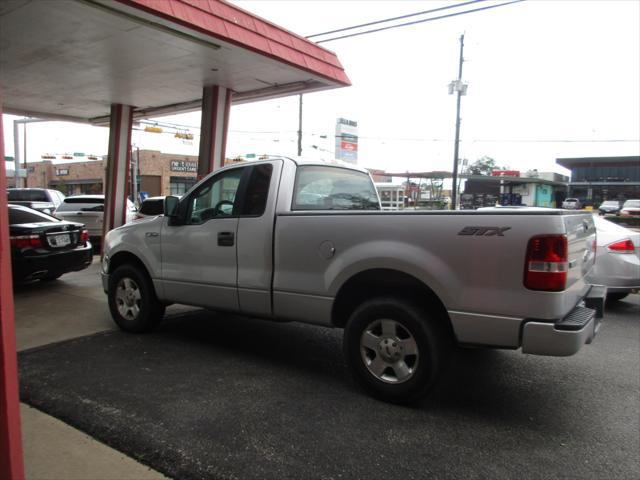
(395, 349)
(132, 300)
(51, 277)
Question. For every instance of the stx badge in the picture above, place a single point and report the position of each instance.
(486, 231)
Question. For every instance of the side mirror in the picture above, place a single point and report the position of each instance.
(171, 206)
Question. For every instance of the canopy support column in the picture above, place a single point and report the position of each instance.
(116, 187)
(11, 463)
(214, 124)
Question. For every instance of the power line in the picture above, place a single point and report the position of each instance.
(421, 21)
(448, 7)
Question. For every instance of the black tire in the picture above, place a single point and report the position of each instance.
(403, 321)
(132, 300)
(50, 278)
(616, 296)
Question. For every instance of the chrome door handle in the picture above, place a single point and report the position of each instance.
(151, 234)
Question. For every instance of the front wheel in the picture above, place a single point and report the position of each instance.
(132, 300)
(395, 349)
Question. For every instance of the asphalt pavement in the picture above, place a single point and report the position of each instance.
(219, 396)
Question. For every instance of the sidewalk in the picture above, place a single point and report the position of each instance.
(72, 306)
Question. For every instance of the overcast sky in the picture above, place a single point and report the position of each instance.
(547, 79)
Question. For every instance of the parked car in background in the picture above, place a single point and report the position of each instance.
(630, 208)
(609, 206)
(150, 207)
(43, 247)
(42, 199)
(89, 209)
(571, 204)
(617, 259)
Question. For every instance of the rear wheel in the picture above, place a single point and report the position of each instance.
(395, 349)
(132, 300)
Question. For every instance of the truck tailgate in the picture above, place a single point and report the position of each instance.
(581, 239)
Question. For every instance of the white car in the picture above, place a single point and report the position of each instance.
(89, 209)
(571, 204)
(630, 208)
(617, 259)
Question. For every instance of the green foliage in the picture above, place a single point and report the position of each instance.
(482, 166)
(629, 222)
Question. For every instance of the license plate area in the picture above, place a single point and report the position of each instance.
(59, 240)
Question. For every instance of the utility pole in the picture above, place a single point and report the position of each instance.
(16, 147)
(461, 89)
(300, 125)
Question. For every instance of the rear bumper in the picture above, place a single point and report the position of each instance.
(566, 336)
(40, 266)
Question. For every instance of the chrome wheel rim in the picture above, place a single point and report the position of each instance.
(389, 351)
(128, 298)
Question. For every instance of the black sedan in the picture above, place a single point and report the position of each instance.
(43, 247)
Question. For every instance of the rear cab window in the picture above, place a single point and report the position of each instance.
(333, 188)
(28, 196)
(83, 204)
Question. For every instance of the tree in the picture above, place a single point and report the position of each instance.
(483, 166)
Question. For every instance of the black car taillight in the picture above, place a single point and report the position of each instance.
(26, 241)
(547, 263)
(84, 236)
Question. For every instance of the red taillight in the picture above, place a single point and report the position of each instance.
(623, 246)
(547, 263)
(26, 241)
(84, 236)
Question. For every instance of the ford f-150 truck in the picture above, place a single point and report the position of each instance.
(284, 239)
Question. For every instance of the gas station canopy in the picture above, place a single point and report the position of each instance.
(73, 59)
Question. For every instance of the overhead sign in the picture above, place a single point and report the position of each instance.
(347, 140)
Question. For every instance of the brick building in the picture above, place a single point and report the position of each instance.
(157, 174)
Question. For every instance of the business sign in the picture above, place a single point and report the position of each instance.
(505, 173)
(62, 171)
(182, 166)
(347, 140)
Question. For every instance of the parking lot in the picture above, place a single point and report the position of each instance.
(217, 396)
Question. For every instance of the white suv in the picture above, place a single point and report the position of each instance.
(89, 209)
(571, 204)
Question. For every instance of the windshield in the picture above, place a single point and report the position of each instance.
(632, 203)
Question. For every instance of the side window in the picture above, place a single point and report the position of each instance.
(216, 198)
(333, 188)
(257, 190)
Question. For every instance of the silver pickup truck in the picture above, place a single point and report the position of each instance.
(306, 241)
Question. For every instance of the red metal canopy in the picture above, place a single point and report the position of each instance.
(72, 59)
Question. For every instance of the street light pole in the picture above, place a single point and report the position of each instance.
(16, 147)
(461, 89)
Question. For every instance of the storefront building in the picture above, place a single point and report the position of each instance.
(595, 179)
(156, 174)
